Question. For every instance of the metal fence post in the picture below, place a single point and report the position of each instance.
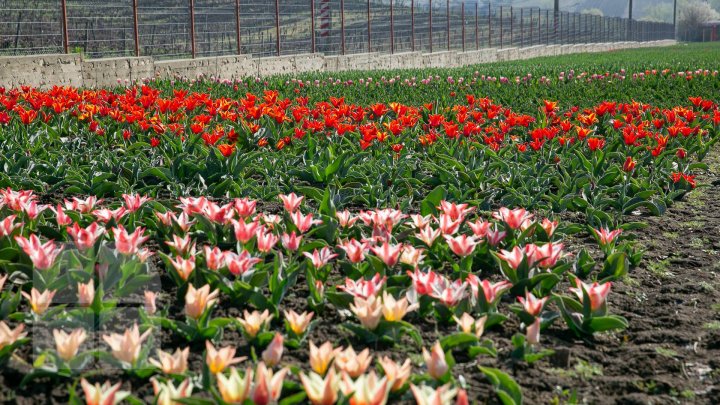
(501, 27)
(462, 16)
(342, 25)
(556, 24)
(312, 25)
(192, 28)
(447, 12)
(430, 25)
(65, 39)
(238, 40)
(522, 29)
(489, 25)
(277, 26)
(539, 27)
(392, 28)
(412, 24)
(547, 27)
(588, 32)
(136, 34)
(369, 43)
(477, 23)
(512, 24)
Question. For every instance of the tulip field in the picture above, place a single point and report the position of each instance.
(543, 231)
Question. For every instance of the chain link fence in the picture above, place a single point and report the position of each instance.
(173, 29)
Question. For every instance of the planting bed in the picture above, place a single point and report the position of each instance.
(511, 233)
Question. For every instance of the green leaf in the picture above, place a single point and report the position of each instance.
(327, 206)
(506, 388)
(609, 322)
(430, 203)
(616, 267)
(457, 340)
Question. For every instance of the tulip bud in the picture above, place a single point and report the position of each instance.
(86, 293)
(629, 164)
(150, 307)
(67, 345)
(533, 332)
(273, 353)
(268, 385)
(435, 361)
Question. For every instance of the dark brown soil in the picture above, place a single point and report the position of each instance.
(669, 354)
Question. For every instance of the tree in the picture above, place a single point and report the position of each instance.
(593, 11)
(691, 16)
(658, 13)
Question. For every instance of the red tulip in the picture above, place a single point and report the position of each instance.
(291, 201)
(7, 226)
(133, 202)
(42, 255)
(389, 254)
(363, 288)
(462, 245)
(354, 250)
(513, 218)
(531, 304)
(320, 258)
(128, 244)
(513, 258)
(596, 292)
(629, 164)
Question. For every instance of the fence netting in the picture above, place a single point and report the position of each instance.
(173, 29)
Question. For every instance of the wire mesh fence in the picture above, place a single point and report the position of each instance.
(172, 29)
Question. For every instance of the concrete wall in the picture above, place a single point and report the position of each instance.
(50, 70)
